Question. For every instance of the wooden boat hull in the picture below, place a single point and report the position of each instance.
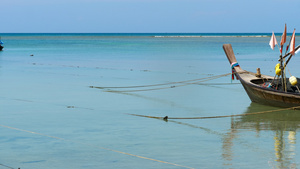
(270, 97)
(256, 91)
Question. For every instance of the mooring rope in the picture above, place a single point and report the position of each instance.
(210, 117)
(162, 84)
(6, 166)
(95, 146)
(185, 83)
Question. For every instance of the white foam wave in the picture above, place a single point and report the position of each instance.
(212, 36)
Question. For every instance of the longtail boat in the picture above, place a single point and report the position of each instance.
(264, 89)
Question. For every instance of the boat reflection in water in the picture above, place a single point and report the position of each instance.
(283, 125)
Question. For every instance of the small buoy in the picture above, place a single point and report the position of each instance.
(166, 118)
(293, 80)
(277, 70)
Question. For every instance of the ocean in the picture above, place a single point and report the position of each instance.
(90, 101)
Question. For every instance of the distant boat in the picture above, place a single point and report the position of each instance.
(264, 89)
(1, 43)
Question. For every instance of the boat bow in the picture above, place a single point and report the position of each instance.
(257, 85)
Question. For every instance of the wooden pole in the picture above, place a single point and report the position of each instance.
(282, 73)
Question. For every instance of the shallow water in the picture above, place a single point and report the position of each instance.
(52, 118)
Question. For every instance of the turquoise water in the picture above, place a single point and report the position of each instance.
(51, 117)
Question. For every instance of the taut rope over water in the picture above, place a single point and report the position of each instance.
(211, 117)
(94, 146)
(159, 86)
(6, 166)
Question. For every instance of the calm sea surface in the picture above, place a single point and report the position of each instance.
(58, 107)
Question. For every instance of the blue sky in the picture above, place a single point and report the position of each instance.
(148, 16)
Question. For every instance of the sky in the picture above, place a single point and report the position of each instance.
(148, 16)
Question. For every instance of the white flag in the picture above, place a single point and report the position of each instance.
(273, 41)
(292, 47)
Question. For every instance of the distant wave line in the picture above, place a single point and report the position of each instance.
(213, 36)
